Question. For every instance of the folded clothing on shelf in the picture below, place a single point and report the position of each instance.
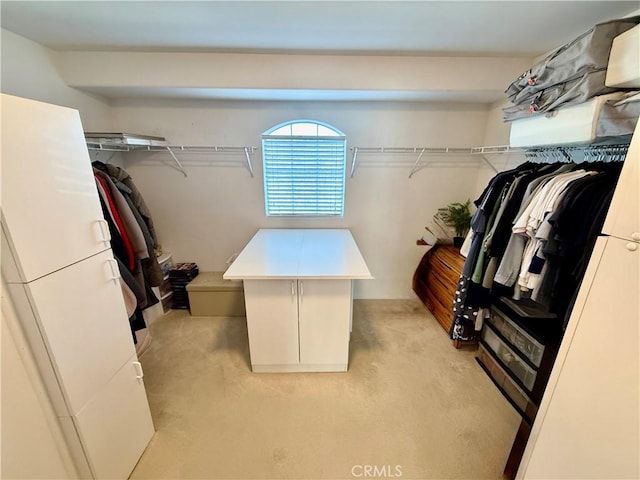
(179, 277)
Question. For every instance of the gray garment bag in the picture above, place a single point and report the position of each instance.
(587, 53)
(575, 91)
(619, 117)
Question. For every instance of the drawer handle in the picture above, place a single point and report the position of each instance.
(115, 271)
(137, 366)
(632, 246)
(103, 229)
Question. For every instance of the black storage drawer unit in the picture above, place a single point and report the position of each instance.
(519, 344)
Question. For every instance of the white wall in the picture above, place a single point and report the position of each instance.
(214, 212)
(148, 73)
(496, 134)
(28, 70)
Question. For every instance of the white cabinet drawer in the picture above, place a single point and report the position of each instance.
(115, 426)
(81, 316)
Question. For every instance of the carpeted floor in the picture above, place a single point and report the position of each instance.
(410, 406)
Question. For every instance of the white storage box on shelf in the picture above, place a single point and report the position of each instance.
(623, 69)
(568, 125)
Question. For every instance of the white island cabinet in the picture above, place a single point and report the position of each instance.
(298, 296)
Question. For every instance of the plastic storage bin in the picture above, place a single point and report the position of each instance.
(502, 379)
(525, 343)
(516, 365)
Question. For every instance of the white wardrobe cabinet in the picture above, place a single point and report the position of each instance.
(623, 218)
(49, 202)
(588, 424)
(64, 282)
(298, 323)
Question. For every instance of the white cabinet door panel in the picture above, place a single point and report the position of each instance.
(325, 307)
(49, 199)
(82, 318)
(272, 321)
(591, 426)
(116, 425)
(623, 218)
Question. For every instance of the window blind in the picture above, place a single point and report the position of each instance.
(304, 175)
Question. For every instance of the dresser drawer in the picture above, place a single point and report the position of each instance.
(510, 359)
(442, 313)
(525, 343)
(447, 274)
(436, 279)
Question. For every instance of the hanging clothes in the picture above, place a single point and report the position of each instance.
(129, 243)
(136, 205)
(119, 174)
(115, 216)
(531, 237)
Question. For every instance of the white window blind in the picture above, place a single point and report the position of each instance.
(304, 170)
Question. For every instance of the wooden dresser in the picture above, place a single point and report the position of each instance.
(435, 281)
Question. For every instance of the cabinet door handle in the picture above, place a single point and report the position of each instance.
(115, 271)
(632, 246)
(137, 366)
(301, 290)
(293, 291)
(103, 228)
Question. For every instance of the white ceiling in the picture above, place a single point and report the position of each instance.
(500, 28)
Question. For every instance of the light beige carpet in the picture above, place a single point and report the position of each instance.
(410, 406)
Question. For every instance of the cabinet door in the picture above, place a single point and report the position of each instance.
(272, 321)
(325, 309)
(623, 218)
(588, 424)
(81, 315)
(49, 198)
(115, 426)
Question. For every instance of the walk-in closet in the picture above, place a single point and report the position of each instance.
(320, 240)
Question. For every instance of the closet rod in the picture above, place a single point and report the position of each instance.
(421, 151)
(616, 151)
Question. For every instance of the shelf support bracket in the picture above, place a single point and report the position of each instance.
(249, 166)
(175, 159)
(488, 162)
(415, 169)
(353, 161)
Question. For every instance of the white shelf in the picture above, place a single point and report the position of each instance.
(127, 142)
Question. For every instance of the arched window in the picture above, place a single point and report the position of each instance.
(304, 169)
